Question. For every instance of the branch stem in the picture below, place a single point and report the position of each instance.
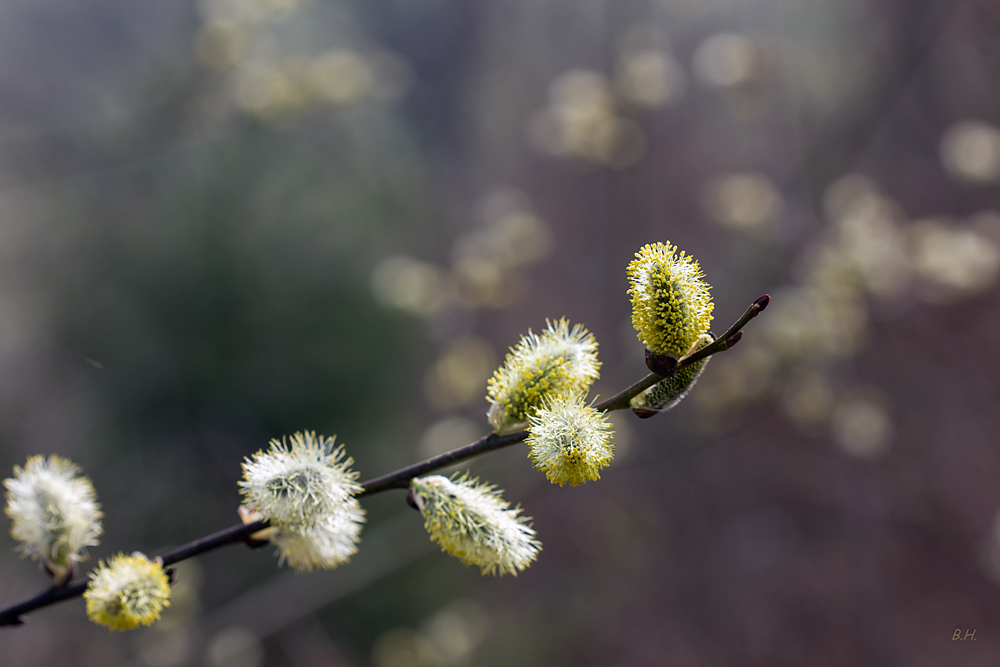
(400, 479)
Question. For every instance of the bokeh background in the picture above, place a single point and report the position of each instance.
(225, 221)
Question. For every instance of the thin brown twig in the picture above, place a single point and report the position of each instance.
(400, 479)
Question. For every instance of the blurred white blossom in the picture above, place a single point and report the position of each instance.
(54, 512)
(305, 489)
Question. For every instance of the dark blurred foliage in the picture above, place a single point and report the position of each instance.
(226, 221)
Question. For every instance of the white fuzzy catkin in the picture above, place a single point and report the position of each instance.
(305, 489)
(325, 545)
(54, 512)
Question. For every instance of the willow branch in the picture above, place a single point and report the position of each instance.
(620, 401)
(400, 479)
(12, 615)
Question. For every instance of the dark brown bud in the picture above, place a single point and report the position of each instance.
(661, 364)
(255, 543)
(762, 302)
(732, 340)
(643, 413)
(171, 573)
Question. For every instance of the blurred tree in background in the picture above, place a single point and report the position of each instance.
(224, 221)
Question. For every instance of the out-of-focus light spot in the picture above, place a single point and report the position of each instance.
(448, 434)
(589, 131)
(400, 647)
(868, 239)
(727, 59)
(581, 89)
(987, 225)
(818, 321)
(862, 427)
(235, 647)
(271, 88)
(650, 79)
(970, 151)
(809, 399)
(501, 202)
(482, 282)
(743, 201)
(453, 633)
(447, 638)
(244, 11)
(341, 76)
(580, 121)
(411, 285)
(267, 92)
(521, 238)
(459, 377)
(488, 262)
(847, 194)
(875, 244)
(951, 261)
(221, 44)
(512, 235)
(282, 5)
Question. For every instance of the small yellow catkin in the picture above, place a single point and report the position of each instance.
(570, 441)
(126, 592)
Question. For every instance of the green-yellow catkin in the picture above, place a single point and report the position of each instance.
(127, 591)
(671, 304)
(559, 362)
(570, 441)
(472, 522)
(667, 393)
